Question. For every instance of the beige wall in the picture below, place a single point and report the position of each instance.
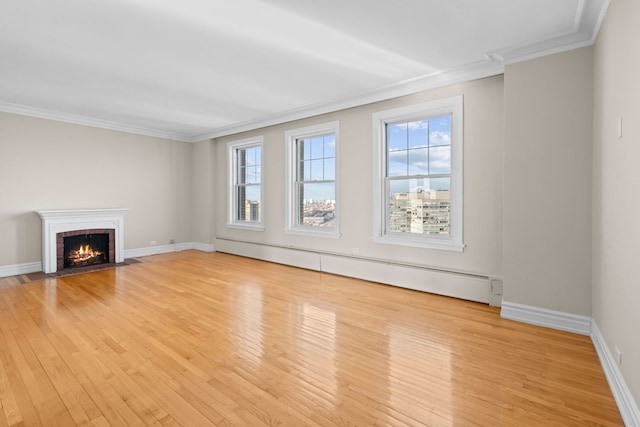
(616, 187)
(51, 165)
(483, 115)
(202, 207)
(547, 182)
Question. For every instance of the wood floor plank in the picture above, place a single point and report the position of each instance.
(195, 339)
(10, 410)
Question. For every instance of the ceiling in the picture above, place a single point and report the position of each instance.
(196, 69)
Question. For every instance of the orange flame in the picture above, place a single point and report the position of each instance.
(83, 253)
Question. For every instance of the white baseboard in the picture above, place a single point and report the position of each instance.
(621, 393)
(164, 249)
(15, 270)
(548, 318)
(203, 247)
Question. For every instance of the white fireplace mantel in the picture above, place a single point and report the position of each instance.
(60, 221)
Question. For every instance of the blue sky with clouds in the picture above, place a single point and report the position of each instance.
(421, 147)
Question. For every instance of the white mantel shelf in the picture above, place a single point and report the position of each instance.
(60, 221)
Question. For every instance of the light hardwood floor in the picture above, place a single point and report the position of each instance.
(198, 339)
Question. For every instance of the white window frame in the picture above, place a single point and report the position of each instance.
(232, 170)
(452, 105)
(291, 136)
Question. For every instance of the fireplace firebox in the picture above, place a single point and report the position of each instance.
(87, 249)
(82, 248)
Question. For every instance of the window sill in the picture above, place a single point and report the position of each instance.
(421, 243)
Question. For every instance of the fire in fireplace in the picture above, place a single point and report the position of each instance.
(86, 249)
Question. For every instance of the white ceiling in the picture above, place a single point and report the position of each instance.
(195, 69)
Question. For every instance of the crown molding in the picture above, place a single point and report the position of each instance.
(466, 73)
(77, 119)
(586, 26)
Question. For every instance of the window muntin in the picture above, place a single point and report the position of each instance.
(417, 175)
(245, 201)
(312, 180)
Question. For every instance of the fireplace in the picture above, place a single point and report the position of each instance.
(77, 238)
(82, 248)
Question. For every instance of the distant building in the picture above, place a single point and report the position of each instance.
(426, 212)
(320, 213)
(251, 211)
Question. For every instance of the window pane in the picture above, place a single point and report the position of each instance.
(241, 200)
(419, 161)
(253, 193)
(329, 169)
(248, 165)
(253, 175)
(250, 156)
(249, 174)
(419, 206)
(316, 170)
(440, 160)
(397, 163)
(440, 131)
(317, 145)
(248, 203)
(258, 152)
(318, 204)
(418, 133)
(306, 176)
(397, 137)
(330, 145)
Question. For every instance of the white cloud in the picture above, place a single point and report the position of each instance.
(439, 137)
(421, 125)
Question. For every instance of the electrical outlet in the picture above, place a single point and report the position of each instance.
(618, 355)
(355, 250)
(152, 243)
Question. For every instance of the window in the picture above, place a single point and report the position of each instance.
(418, 175)
(312, 186)
(245, 189)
